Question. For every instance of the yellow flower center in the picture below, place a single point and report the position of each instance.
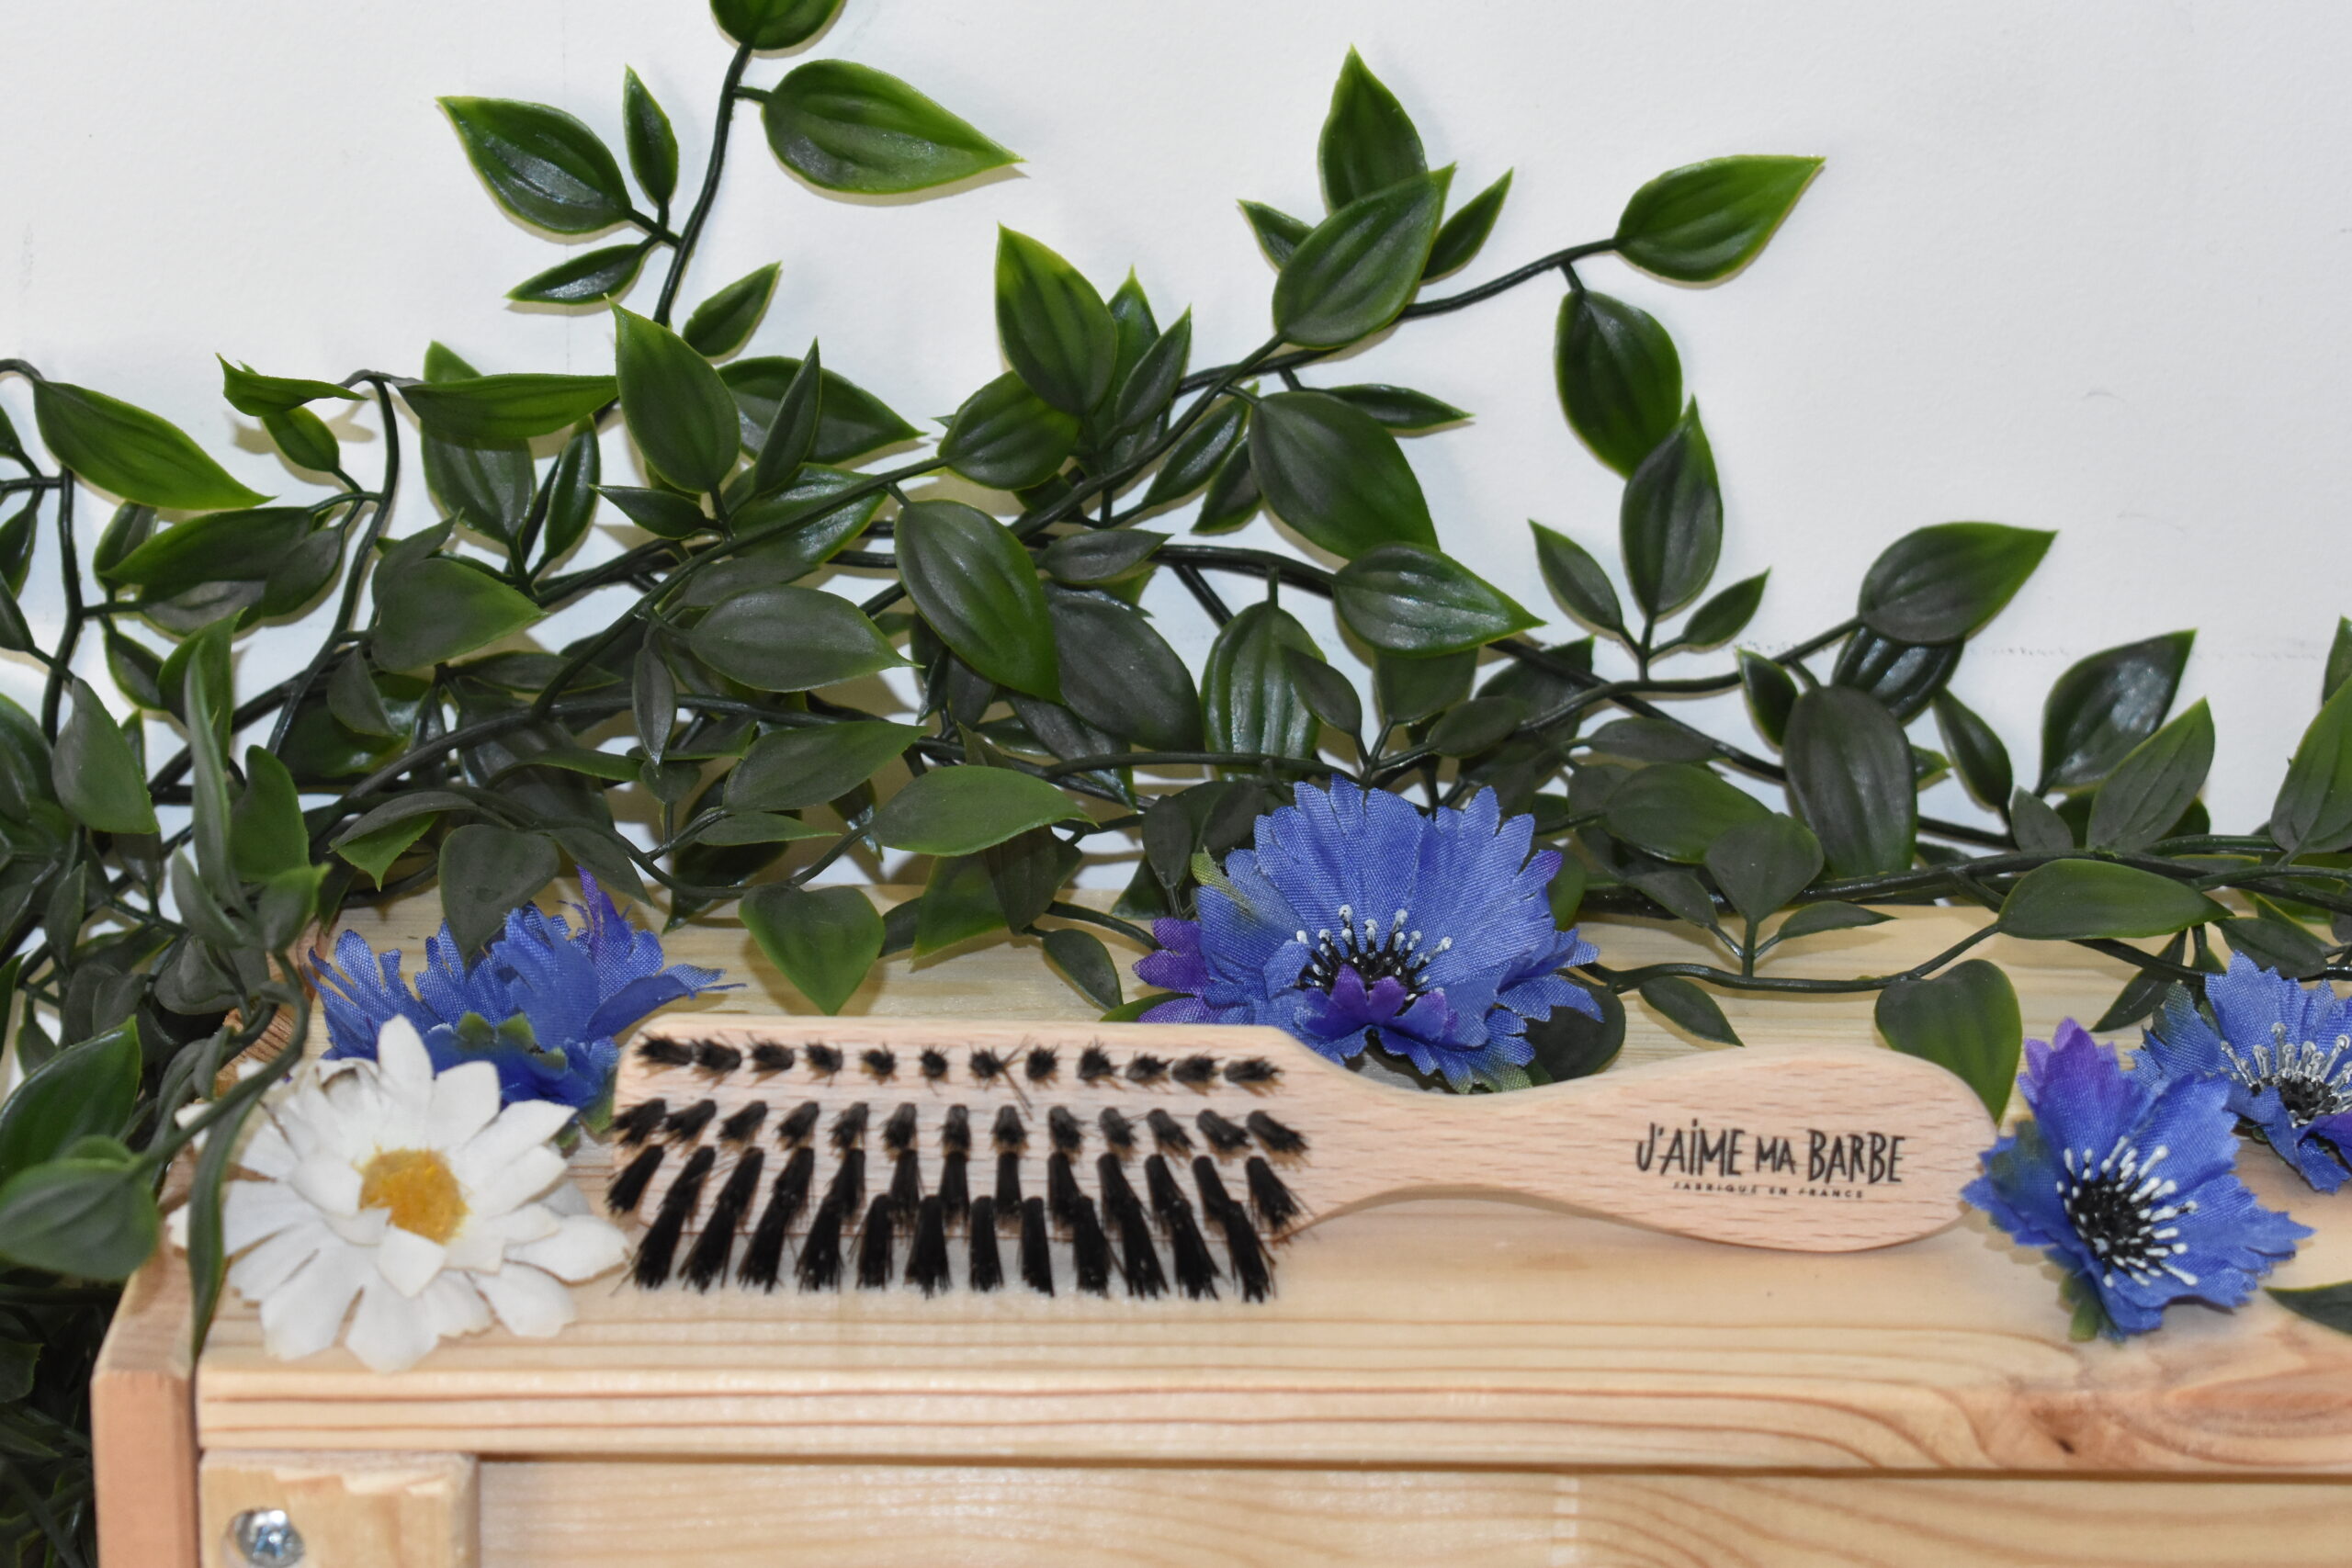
(420, 1190)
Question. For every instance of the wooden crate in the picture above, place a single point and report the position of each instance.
(1433, 1383)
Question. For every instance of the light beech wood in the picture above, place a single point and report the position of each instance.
(353, 1510)
(143, 1427)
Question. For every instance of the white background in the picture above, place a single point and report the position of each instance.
(2080, 267)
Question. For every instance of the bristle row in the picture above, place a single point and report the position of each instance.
(1036, 1065)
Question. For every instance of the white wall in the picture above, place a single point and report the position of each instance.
(2079, 266)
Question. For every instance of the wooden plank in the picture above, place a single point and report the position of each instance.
(143, 1426)
(353, 1510)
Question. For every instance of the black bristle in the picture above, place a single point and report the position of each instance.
(1043, 1062)
(934, 1064)
(1008, 1186)
(847, 1189)
(641, 1121)
(1251, 1072)
(763, 1262)
(686, 1124)
(1249, 1255)
(1062, 1196)
(874, 1247)
(794, 1130)
(1194, 1072)
(744, 1124)
(905, 1185)
(1008, 1132)
(1215, 1199)
(1145, 1069)
(1269, 1198)
(1169, 1134)
(660, 1246)
(707, 1263)
(1063, 1128)
(927, 1254)
(823, 1060)
(1196, 1269)
(987, 1066)
(1123, 1213)
(771, 1058)
(986, 1271)
(1117, 1131)
(665, 1052)
(1167, 1197)
(849, 1127)
(1089, 1249)
(712, 1057)
(1277, 1138)
(1225, 1137)
(898, 1132)
(881, 1061)
(1036, 1252)
(629, 1187)
(955, 1196)
(955, 1131)
(1094, 1064)
(819, 1267)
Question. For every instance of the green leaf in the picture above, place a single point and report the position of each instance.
(773, 24)
(96, 775)
(1619, 377)
(1278, 232)
(978, 588)
(89, 1089)
(587, 277)
(375, 850)
(2330, 1306)
(756, 828)
(959, 902)
(1007, 436)
(1368, 142)
(1726, 615)
(1578, 580)
(486, 485)
(1670, 524)
(1411, 690)
(1200, 452)
(823, 940)
(1249, 699)
(2103, 706)
(679, 412)
(1120, 675)
(1688, 1008)
(1085, 964)
(1942, 583)
(961, 811)
(1833, 914)
(91, 1219)
(1675, 810)
(505, 407)
(1399, 408)
(850, 423)
(1849, 779)
(2038, 829)
(572, 494)
(2150, 788)
(851, 128)
(797, 530)
(1405, 599)
(2313, 811)
(1326, 694)
(662, 513)
(1355, 270)
(487, 870)
(2339, 657)
(1146, 389)
(792, 435)
(16, 635)
(1965, 1020)
(131, 452)
(304, 439)
(1333, 474)
(1706, 221)
(1461, 236)
(1056, 329)
(216, 546)
(1233, 496)
(1904, 677)
(17, 546)
(250, 392)
(2075, 899)
(2277, 944)
(653, 145)
(781, 639)
(1100, 555)
(267, 834)
(1471, 727)
(1977, 754)
(1760, 865)
(542, 165)
(433, 609)
(795, 768)
(723, 323)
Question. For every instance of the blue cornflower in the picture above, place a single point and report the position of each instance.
(1359, 920)
(2125, 1181)
(542, 1005)
(2284, 1049)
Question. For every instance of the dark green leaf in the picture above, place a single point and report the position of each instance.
(2277, 945)
(541, 164)
(1056, 329)
(586, 277)
(959, 903)
(486, 485)
(2150, 788)
(17, 546)
(267, 834)
(850, 423)
(571, 493)
(91, 1219)
(1026, 871)
(1849, 779)
(2074, 899)
(1405, 599)
(757, 828)
(662, 513)
(1333, 474)
(1570, 1045)
(17, 636)
(823, 940)
(1688, 1008)
(1771, 694)
(792, 435)
(1355, 270)
(305, 440)
(773, 24)
(1473, 726)
(1199, 452)
(961, 811)
(1704, 221)
(1248, 701)
(851, 128)
(1368, 142)
(433, 610)
(1328, 694)
(1120, 675)
(978, 588)
(1965, 1020)
(1461, 237)
(375, 850)
(2330, 1306)
(2339, 657)
(505, 407)
(1137, 332)
(1233, 496)
(1675, 810)
(653, 700)
(1761, 865)
(89, 1089)
(96, 775)
(1399, 408)
(130, 526)
(2141, 993)
(1652, 740)
(1726, 615)
(796, 768)
(1977, 754)
(1941, 583)
(1100, 555)
(680, 413)
(724, 322)
(1670, 524)
(1145, 391)
(131, 452)
(1086, 964)
(1619, 377)
(1904, 677)
(1836, 915)
(653, 145)
(1007, 436)
(1278, 232)
(2105, 705)
(781, 639)
(2038, 829)
(487, 870)
(2313, 811)
(218, 546)
(250, 392)
(1411, 689)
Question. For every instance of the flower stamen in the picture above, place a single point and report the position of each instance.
(418, 1187)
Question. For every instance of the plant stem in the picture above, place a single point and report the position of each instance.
(684, 250)
(347, 611)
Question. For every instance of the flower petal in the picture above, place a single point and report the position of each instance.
(531, 1303)
(304, 1314)
(583, 1247)
(332, 1185)
(464, 1102)
(388, 1334)
(408, 1261)
(518, 1181)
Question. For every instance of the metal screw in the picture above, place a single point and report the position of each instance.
(267, 1538)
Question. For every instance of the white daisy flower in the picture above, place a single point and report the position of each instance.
(413, 1194)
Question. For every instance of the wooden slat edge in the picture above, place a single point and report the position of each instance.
(142, 1418)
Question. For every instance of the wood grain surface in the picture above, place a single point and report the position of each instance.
(363, 1510)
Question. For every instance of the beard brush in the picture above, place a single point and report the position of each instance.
(823, 1153)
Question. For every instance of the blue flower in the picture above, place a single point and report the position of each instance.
(2284, 1049)
(2125, 1181)
(1359, 921)
(542, 1005)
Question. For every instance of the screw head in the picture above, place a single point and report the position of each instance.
(266, 1537)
